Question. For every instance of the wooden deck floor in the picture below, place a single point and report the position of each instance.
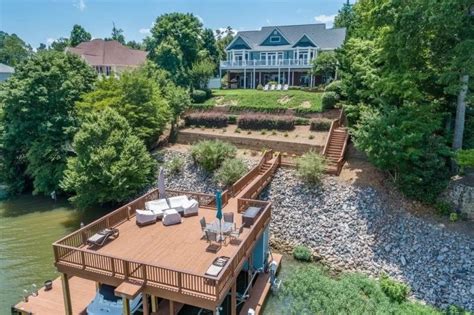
(178, 247)
(260, 291)
(51, 302)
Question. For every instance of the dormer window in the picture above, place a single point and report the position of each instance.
(275, 39)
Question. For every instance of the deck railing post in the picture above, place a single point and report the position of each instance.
(83, 260)
(112, 266)
(125, 269)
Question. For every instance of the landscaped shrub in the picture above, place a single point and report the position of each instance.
(230, 171)
(300, 121)
(199, 96)
(395, 290)
(310, 167)
(302, 253)
(210, 154)
(335, 86)
(259, 87)
(206, 119)
(201, 107)
(320, 125)
(232, 119)
(258, 108)
(174, 165)
(329, 100)
(306, 110)
(443, 207)
(465, 158)
(258, 121)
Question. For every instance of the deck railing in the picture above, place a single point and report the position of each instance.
(266, 63)
(69, 252)
(244, 180)
(257, 187)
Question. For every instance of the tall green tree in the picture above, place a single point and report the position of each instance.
(136, 98)
(201, 72)
(60, 44)
(117, 34)
(210, 46)
(111, 164)
(79, 35)
(223, 40)
(345, 17)
(325, 64)
(13, 49)
(39, 119)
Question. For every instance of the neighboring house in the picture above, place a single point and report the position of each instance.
(5, 72)
(108, 57)
(278, 53)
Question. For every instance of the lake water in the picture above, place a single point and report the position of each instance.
(28, 227)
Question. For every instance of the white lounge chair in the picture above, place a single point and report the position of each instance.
(285, 87)
(278, 87)
(183, 205)
(171, 217)
(272, 87)
(145, 217)
(157, 207)
(265, 88)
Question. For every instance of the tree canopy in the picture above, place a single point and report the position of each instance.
(117, 34)
(325, 64)
(111, 163)
(13, 49)
(39, 119)
(78, 35)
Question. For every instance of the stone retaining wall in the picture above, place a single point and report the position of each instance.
(189, 137)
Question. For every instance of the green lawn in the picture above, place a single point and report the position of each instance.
(266, 100)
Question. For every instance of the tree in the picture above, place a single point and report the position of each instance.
(13, 49)
(39, 119)
(176, 38)
(60, 44)
(136, 98)
(210, 46)
(325, 64)
(134, 45)
(79, 35)
(345, 17)
(201, 72)
(111, 163)
(117, 34)
(41, 47)
(223, 40)
(405, 142)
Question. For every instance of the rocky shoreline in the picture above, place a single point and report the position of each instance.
(351, 229)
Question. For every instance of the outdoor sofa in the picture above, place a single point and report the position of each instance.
(155, 209)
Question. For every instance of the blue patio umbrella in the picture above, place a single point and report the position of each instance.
(219, 210)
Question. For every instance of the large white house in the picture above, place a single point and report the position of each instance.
(278, 53)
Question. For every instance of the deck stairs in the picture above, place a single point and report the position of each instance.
(335, 148)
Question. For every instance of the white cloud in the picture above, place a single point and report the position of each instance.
(80, 4)
(326, 19)
(50, 40)
(200, 18)
(145, 31)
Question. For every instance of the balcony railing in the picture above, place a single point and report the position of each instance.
(266, 63)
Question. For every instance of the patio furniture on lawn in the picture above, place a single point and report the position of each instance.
(278, 88)
(212, 239)
(229, 217)
(272, 87)
(187, 207)
(285, 87)
(250, 215)
(217, 265)
(99, 238)
(145, 217)
(265, 88)
(171, 217)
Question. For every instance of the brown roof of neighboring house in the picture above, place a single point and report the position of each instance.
(101, 52)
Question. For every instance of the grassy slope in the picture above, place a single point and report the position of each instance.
(251, 97)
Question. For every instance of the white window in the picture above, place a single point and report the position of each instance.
(274, 39)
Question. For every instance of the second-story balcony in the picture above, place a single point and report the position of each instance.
(265, 64)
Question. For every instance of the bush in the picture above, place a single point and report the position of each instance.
(199, 96)
(329, 100)
(232, 119)
(210, 154)
(300, 121)
(259, 121)
(175, 165)
(453, 217)
(465, 158)
(230, 171)
(206, 119)
(334, 86)
(302, 253)
(320, 125)
(395, 290)
(111, 163)
(259, 87)
(310, 167)
(443, 207)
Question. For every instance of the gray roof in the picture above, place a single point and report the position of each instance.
(325, 39)
(6, 69)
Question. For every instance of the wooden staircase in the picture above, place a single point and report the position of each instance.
(264, 167)
(335, 147)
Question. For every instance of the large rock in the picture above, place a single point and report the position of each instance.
(460, 193)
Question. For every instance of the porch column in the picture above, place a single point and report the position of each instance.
(172, 310)
(154, 305)
(250, 273)
(245, 77)
(233, 299)
(126, 306)
(289, 75)
(146, 309)
(293, 78)
(278, 75)
(254, 85)
(260, 77)
(66, 294)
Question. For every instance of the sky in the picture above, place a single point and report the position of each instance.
(43, 21)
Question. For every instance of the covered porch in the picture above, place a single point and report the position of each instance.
(250, 79)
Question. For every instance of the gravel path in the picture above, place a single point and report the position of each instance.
(351, 229)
